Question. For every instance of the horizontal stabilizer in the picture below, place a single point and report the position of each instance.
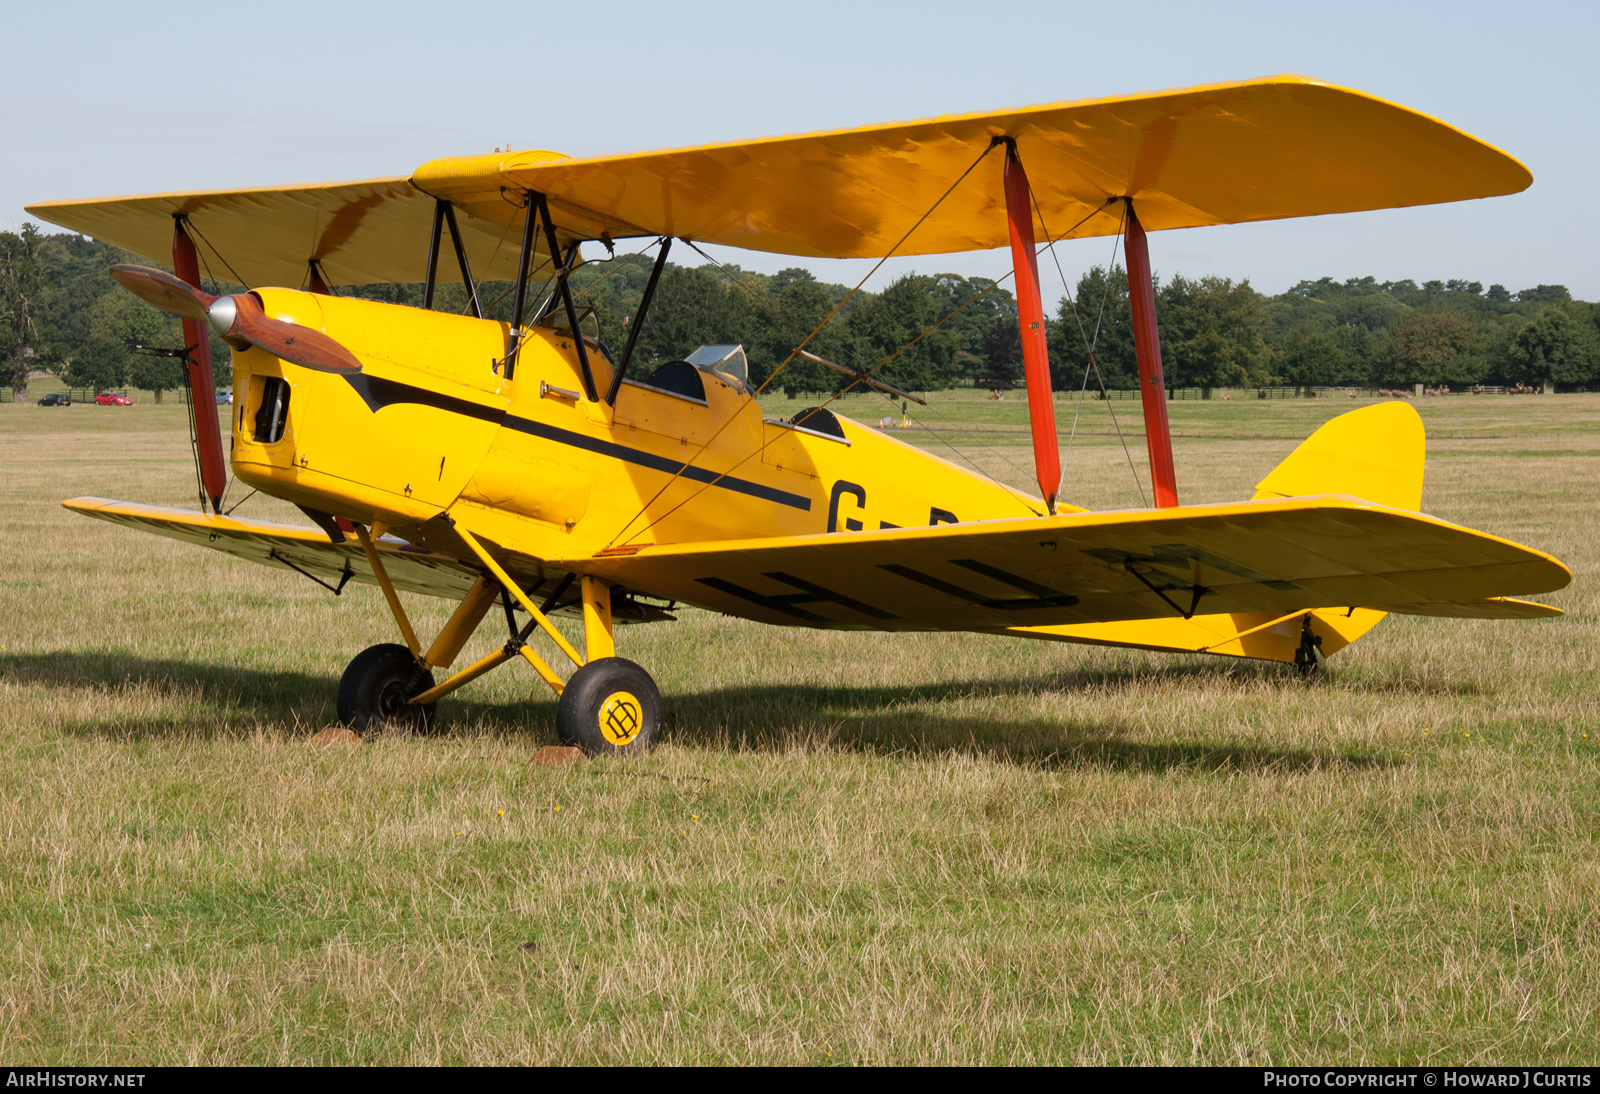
(1259, 636)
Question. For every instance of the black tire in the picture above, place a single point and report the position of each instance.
(610, 707)
(375, 686)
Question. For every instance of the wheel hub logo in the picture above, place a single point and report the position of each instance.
(621, 717)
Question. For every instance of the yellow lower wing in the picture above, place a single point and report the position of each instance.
(289, 546)
(311, 553)
(1272, 557)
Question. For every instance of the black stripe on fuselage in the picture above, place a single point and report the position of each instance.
(656, 463)
(378, 393)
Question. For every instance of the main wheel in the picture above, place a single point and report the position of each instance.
(610, 707)
(375, 686)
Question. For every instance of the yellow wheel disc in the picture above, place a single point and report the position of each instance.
(621, 718)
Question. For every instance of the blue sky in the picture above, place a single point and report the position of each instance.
(100, 99)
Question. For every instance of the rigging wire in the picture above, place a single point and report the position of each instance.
(860, 379)
(580, 293)
(831, 399)
(792, 354)
(1089, 345)
(474, 284)
(975, 299)
(996, 453)
(241, 501)
(850, 356)
(1092, 363)
(625, 263)
(237, 280)
(986, 447)
(1013, 491)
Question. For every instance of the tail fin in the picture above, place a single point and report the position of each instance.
(1375, 453)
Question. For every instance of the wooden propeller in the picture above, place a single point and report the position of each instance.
(238, 316)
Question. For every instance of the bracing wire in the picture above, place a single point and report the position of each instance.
(860, 379)
(579, 293)
(754, 396)
(826, 403)
(477, 283)
(1089, 344)
(237, 280)
(936, 435)
(624, 264)
(850, 356)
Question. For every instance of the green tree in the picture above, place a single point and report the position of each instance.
(1356, 302)
(1310, 355)
(973, 306)
(1556, 346)
(797, 303)
(1545, 294)
(23, 289)
(118, 321)
(100, 364)
(1213, 333)
(1001, 352)
(691, 308)
(156, 374)
(1437, 348)
(1383, 360)
(1107, 322)
(884, 326)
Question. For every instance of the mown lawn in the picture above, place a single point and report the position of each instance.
(852, 848)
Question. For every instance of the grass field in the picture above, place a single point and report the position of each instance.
(851, 848)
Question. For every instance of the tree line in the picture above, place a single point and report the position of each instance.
(61, 313)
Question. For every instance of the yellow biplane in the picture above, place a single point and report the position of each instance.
(522, 469)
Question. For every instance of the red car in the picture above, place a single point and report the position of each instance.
(112, 398)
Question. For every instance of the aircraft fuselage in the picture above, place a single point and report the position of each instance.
(431, 425)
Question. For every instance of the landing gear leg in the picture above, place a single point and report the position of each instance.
(383, 684)
(1308, 658)
(610, 706)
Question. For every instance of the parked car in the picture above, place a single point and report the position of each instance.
(112, 398)
(225, 398)
(56, 398)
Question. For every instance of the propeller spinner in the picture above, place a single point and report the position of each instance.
(239, 316)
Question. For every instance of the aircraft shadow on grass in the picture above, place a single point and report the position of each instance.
(221, 702)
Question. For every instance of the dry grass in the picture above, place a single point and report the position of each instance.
(853, 848)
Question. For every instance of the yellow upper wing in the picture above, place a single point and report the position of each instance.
(1284, 146)
(1264, 149)
(362, 232)
(1275, 556)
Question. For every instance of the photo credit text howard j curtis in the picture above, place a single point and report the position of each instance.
(1429, 1078)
